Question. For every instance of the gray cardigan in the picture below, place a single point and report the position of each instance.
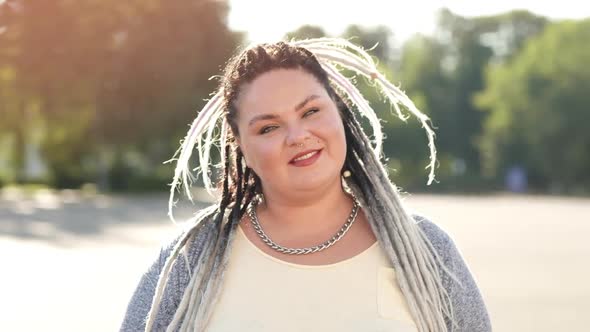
(468, 305)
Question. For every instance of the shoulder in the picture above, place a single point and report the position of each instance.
(468, 305)
(199, 226)
(441, 243)
(438, 237)
(429, 227)
(181, 266)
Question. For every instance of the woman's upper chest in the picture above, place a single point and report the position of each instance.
(263, 293)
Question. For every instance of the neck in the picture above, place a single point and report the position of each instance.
(305, 213)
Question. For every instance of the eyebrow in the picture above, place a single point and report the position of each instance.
(274, 116)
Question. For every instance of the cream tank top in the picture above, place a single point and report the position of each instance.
(262, 293)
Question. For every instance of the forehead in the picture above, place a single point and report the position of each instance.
(277, 90)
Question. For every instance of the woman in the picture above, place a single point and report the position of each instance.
(308, 233)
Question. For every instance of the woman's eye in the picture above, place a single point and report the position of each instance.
(310, 112)
(266, 129)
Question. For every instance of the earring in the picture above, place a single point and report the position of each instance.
(346, 174)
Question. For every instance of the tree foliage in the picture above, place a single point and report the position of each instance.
(108, 78)
(306, 32)
(444, 72)
(538, 106)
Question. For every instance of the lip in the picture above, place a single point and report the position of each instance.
(307, 161)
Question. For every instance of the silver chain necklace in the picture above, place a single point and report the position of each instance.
(301, 251)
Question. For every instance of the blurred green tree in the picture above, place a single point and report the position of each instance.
(379, 39)
(108, 80)
(160, 78)
(538, 106)
(306, 32)
(443, 73)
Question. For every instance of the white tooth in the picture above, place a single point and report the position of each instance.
(305, 156)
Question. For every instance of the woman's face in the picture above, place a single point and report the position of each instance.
(290, 131)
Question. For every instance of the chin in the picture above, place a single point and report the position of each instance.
(314, 182)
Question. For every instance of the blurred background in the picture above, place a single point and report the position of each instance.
(96, 95)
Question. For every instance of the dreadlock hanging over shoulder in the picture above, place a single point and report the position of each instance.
(418, 267)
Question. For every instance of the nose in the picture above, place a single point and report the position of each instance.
(296, 135)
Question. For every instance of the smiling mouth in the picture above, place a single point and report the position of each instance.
(305, 156)
(305, 159)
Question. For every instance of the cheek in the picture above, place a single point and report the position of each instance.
(332, 130)
(341, 137)
(263, 154)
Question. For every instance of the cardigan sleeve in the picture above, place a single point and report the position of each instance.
(178, 279)
(141, 300)
(469, 309)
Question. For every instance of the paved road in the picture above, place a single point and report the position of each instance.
(70, 261)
